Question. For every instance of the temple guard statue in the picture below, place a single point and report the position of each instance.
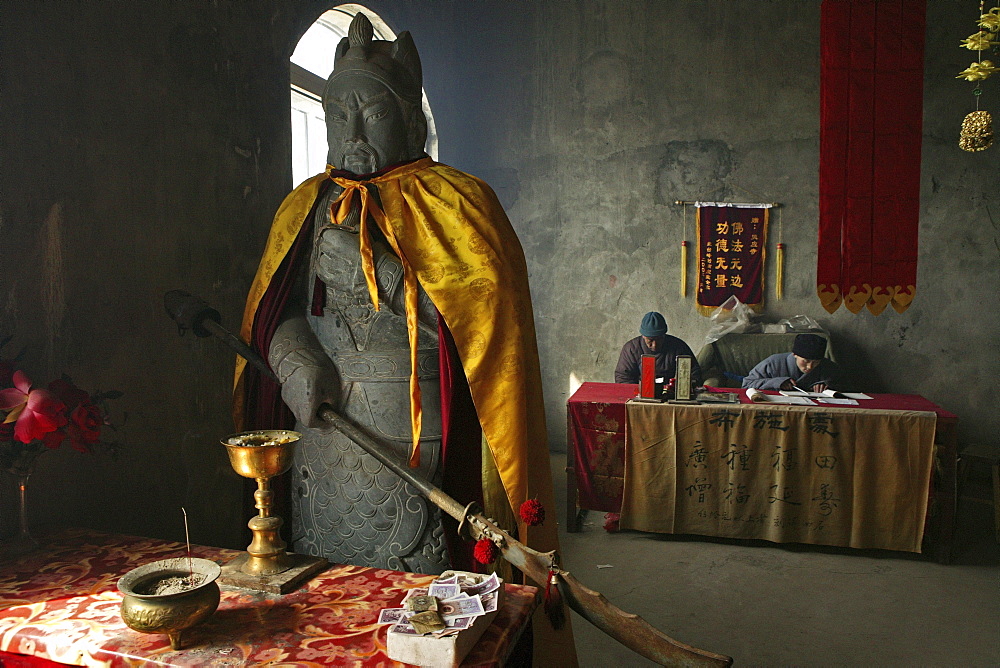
(366, 268)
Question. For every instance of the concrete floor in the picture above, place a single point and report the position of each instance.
(793, 605)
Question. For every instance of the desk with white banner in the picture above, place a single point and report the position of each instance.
(877, 475)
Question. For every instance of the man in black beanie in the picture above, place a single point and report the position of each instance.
(806, 367)
(654, 340)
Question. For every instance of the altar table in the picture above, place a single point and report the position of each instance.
(61, 603)
(596, 421)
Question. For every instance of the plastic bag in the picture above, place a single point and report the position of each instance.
(732, 316)
(800, 323)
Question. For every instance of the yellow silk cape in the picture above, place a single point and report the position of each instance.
(452, 236)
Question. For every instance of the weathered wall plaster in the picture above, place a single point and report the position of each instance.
(161, 132)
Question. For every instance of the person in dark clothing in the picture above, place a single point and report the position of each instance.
(654, 340)
(806, 367)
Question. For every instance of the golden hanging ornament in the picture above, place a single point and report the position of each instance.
(684, 256)
(978, 71)
(977, 127)
(779, 277)
(684, 264)
(977, 132)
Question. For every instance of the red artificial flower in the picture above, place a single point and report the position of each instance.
(37, 412)
(486, 551)
(68, 393)
(532, 512)
(12, 397)
(85, 423)
(54, 439)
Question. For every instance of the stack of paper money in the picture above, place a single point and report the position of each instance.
(460, 600)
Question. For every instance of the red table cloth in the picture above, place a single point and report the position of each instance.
(596, 426)
(61, 603)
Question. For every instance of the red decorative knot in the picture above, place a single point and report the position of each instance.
(486, 551)
(781, 245)
(532, 512)
(684, 243)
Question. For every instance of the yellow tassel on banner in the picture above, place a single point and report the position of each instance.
(780, 275)
(684, 267)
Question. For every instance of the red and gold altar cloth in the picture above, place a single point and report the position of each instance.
(61, 603)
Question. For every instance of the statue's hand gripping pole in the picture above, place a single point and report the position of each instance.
(631, 630)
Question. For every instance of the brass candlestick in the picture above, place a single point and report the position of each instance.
(262, 455)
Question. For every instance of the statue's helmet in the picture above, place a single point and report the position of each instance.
(395, 64)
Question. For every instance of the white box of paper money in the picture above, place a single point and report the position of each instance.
(448, 647)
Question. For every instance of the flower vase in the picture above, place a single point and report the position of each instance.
(22, 542)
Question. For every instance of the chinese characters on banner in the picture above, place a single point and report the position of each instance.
(731, 242)
(789, 474)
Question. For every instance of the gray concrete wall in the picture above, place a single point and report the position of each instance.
(634, 105)
(145, 146)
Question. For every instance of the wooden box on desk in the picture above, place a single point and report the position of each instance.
(449, 650)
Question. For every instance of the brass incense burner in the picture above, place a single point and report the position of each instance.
(150, 608)
(267, 566)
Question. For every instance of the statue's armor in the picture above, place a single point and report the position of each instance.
(347, 506)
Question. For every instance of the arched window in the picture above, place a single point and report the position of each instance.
(311, 65)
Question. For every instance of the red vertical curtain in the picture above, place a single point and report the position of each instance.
(871, 117)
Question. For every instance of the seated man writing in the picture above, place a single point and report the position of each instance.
(653, 340)
(805, 368)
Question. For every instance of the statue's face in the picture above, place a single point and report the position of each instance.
(365, 127)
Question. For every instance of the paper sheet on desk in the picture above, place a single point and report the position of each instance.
(759, 397)
(829, 394)
(839, 402)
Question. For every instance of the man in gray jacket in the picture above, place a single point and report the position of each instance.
(806, 368)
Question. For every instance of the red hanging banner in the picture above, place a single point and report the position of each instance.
(731, 243)
(871, 114)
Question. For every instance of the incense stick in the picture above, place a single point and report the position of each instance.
(187, 539)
